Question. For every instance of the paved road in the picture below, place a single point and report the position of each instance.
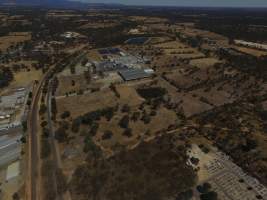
(33, 139)
(33, 142)
(33, 185)
(55, 152)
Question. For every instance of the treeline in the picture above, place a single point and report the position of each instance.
(6, 76)
(235, 29)
(103, 37)
(246, 63)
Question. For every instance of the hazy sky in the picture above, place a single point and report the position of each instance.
(243, 3)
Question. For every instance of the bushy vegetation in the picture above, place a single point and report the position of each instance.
(150, 171)
(6, 76)
(151, 93)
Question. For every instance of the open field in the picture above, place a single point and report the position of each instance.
(79, 105)
(94, 55)
(250, 51)
(204, 62)
(25, 78)
(101, 24)
(71, 84)
(8, 41)
(172, 45)
(148, 20)
(163, 119)
(179, 50)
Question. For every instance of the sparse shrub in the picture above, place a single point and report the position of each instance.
(65, 114)
(128, 132)
(124, 122)
(107, 135)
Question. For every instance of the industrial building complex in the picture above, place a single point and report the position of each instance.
(13, 114)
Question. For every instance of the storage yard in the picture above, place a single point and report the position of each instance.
(13, 113)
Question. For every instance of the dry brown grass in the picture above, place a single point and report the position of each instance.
(161, 121)
(253, 52)
(94, 55)
(105, 24)
(22, 79)
(128, 95)
(7, 41)
(204, 62)
(148, 20)
(65, 84)
(79, 105)
(172, 45)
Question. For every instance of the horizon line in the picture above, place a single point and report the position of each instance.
(138, 5)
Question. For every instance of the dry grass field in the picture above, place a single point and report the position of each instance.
(179, 50)
(82, 104)
(129, 96)
(94, 55)
(161, 121)
(158, 40)
(250, 51)
(172, 45)
(71, 84)
(100, 24)
(148, 20)
(13, 39)
(25, 78)
(79, 105)
(204, 62)
(192, 105)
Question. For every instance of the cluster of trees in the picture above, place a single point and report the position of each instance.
(234, 28)
(152, 92)
(91, 148)
(109, 36)
(91, 119)
(6, 76)
(244, 62)
(206, 193)
(114, 89)
(53, 108)
(93, 116)
(61, 134)
(42, 109)
(229, 135)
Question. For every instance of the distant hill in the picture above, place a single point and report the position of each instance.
(56, 3)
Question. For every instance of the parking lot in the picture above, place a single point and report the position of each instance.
(228, 180)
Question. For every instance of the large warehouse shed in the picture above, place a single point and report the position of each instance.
(133, 74)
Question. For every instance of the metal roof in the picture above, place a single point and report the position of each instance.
(133, 74)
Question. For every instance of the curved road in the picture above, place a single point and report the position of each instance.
(33, 185)
(33, 142)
